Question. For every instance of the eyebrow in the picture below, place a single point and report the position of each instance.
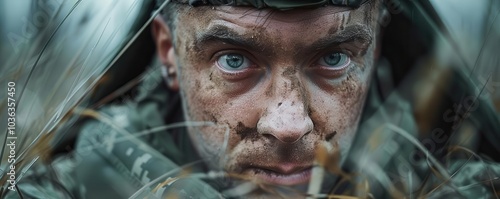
(357, 32)
(221, 33)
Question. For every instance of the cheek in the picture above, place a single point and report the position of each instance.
(337, 109)
(204, 100)
(201, 106)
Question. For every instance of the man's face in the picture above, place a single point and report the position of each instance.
(284, 82)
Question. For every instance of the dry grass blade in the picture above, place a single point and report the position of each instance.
(442, 171)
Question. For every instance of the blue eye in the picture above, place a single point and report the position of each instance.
(334, 61)
(233, 62)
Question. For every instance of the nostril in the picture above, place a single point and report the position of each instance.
(268, 136)
(279, 104)
(285, 137)
(291, 138)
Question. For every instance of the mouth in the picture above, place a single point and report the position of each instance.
(283, 174)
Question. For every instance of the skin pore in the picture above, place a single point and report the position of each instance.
(283, 82)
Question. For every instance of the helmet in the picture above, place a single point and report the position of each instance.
(276, 4)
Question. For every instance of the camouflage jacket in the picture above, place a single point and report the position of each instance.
(118, 152)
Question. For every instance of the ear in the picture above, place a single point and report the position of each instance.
(165, 48)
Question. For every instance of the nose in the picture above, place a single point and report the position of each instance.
(286, 120)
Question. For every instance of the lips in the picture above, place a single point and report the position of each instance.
(275, 163)
(282, 174)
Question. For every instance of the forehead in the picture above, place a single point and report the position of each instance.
(304, 25)
(293, 16)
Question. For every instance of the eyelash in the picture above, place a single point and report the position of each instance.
(236, 74)
(332, 73)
